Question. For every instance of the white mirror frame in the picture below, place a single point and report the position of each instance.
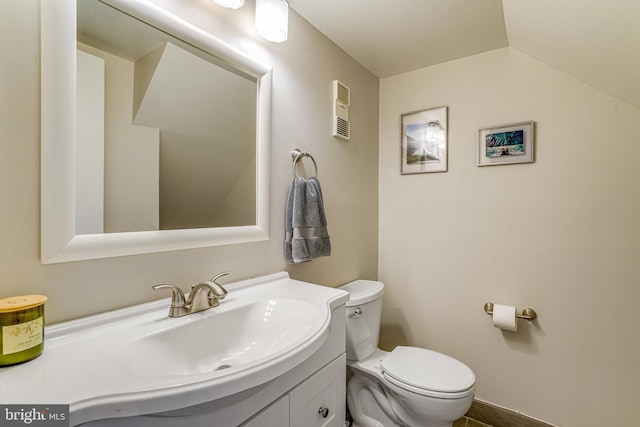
(59, 241)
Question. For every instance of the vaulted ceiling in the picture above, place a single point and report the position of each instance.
(595, 41)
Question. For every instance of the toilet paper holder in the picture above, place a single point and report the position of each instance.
(528, 313)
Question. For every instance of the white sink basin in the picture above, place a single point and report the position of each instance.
(227, 340)
(140, 361)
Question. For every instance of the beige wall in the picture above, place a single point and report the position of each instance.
(304, 67)
(560, 235)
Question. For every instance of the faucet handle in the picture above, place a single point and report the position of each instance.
(222, 292)
(219, 275)
(178, 300)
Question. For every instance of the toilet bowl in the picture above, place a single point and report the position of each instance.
(408, 386)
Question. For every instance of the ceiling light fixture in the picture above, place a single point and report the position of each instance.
(272, 19)
(230, 4)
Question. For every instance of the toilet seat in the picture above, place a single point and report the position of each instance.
(428, 373)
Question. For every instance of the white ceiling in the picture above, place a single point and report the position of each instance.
(596, 41)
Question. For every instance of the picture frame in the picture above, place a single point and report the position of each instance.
(506, 144)
(424, 141)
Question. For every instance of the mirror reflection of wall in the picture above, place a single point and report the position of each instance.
(166, 137)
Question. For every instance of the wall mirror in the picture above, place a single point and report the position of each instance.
(155, 134)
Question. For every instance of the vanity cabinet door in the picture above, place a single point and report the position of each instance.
(320, 400)
(275, 415)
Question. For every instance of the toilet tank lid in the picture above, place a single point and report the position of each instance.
(363, 291)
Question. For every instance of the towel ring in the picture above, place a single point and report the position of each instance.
(297, 154)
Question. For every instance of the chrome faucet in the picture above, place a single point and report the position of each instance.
(203, 296)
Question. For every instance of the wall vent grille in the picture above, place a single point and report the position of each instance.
(344, 94)
(341, 103)
(343, 128)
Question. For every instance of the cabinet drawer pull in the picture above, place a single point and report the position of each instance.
(324, 412)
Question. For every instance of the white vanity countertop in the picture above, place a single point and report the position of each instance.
(98, 366)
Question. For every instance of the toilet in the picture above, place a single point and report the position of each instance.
(408, 386)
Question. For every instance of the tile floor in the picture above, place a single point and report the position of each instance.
(498, 417)
(469, 422)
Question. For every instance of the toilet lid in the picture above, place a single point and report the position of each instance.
(428, 370)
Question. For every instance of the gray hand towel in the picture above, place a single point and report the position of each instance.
(305, 223)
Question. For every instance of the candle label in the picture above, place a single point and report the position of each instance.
(23, 336)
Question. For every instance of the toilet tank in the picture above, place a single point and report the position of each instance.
(364, 310)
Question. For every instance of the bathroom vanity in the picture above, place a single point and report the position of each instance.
(272, 354)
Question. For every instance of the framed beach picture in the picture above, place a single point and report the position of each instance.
(424, 141)
(506, 144)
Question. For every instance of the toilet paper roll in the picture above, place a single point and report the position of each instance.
(504, 317)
